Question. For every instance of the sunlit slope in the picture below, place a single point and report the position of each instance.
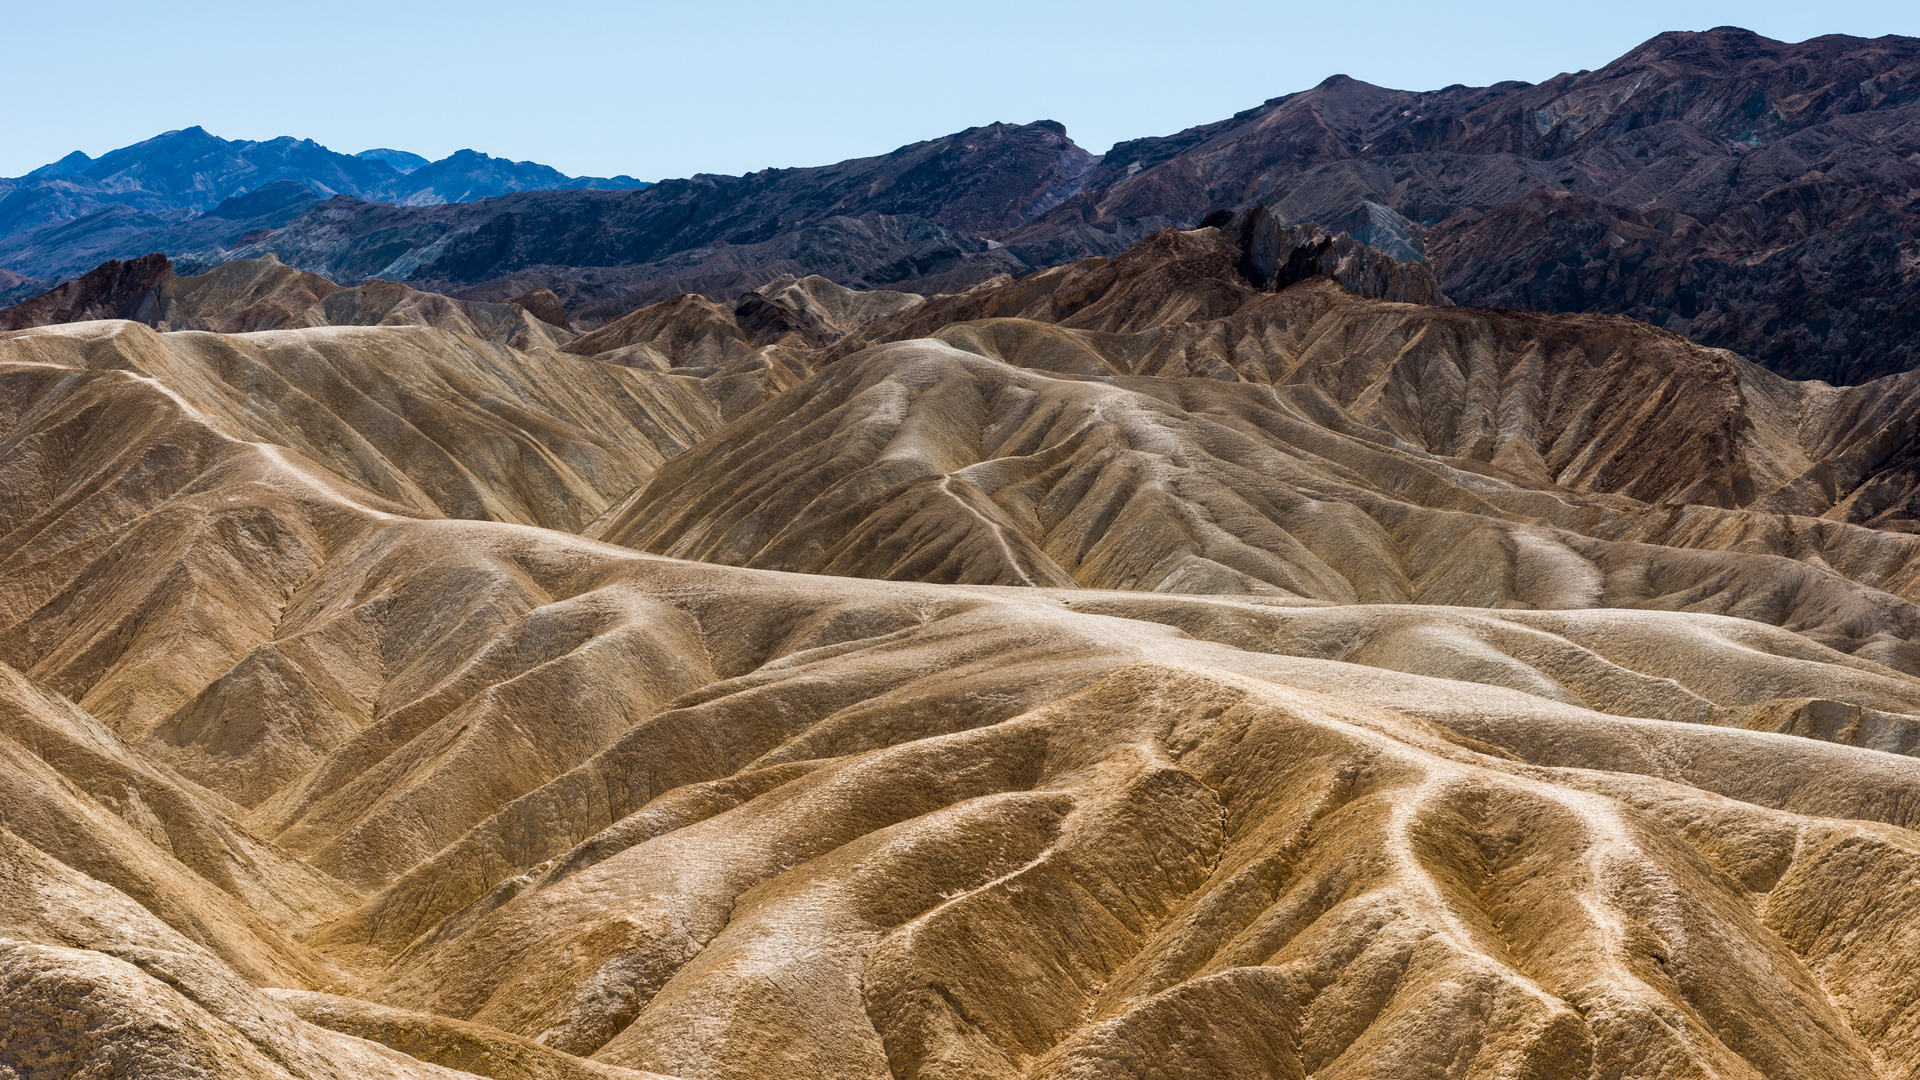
(928, 461)
(710, 821)
(1155, 423)
(439, 421)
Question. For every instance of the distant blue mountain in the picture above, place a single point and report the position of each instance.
(179, 175)
(399, 159)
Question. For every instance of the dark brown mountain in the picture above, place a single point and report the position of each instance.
(916, 212)
(112, 290)
(1747, 193)
(1751, 194)
(870, 251)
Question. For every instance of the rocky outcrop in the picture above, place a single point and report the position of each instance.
(1169, 278)
(1274, 255)
(112, 290)
(544, 305)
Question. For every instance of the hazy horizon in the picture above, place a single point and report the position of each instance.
(659, 90)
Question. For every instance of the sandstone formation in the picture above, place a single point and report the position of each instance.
(1157, 422)
(1195, 668)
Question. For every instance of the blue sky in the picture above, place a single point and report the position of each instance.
(657, 89)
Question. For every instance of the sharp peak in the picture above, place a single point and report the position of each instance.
(1342, 81)
(1054, 126)
(470, 154)
(196, 133)
(1672, 38)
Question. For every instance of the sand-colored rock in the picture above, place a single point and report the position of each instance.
(473, 1048)
(437, 421)
(747, 351)
(265, 294)
(1352, 719)
(1157, 423)
(91, 984)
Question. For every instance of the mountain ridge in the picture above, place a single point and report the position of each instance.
(1669, 172)
(1642, 188)
(179, 174)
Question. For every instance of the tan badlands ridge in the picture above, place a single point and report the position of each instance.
(1121, 672)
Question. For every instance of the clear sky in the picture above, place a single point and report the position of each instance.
(669, 89)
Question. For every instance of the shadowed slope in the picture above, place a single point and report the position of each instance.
(475, 1048)
(263, 294)
(1752, 194)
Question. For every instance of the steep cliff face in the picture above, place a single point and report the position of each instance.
(1274, 255)
(112, 290)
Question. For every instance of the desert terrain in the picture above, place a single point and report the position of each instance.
(1225, 658)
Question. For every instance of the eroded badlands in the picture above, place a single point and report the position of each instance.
(1126, 671)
